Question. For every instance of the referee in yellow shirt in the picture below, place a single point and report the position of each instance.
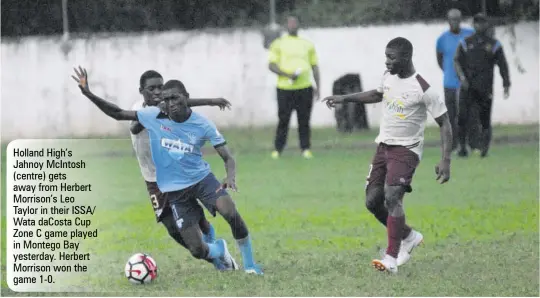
(294, 60)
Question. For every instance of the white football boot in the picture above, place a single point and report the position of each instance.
(408, 245)
(227, 260)
(388, 263)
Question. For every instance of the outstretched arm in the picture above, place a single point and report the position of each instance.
(109, 108)
(371, 96)
(222, 103)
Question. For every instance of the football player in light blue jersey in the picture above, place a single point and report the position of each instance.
(150, 85)
(177, 135)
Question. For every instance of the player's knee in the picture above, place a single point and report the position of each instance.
(226, 207)
(178, 238)
(374, 197)
(204, 225)
(394, 195)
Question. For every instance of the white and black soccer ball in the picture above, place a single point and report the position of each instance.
(141, 269)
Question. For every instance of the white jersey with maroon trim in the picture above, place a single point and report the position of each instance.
(141, 145)
(406, 103)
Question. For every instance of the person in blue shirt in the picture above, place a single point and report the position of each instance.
(447, 45)
(177, 135)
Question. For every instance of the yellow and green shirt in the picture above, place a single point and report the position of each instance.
(292, 53)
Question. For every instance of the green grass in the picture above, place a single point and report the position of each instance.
(312, 232)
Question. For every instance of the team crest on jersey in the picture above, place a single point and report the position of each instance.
(165, 128)
(192, 138)
(408, 95)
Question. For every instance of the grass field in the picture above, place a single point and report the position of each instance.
(312, 233)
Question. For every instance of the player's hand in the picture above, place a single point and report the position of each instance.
(222, 103)
(331, 101)
(316, 93)
(442, 170)
(506, 92)
(228, 183)
(81, 78)
(293, 76)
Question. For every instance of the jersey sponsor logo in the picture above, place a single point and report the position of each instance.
(396, 107)
(165, 128)
(176, 146)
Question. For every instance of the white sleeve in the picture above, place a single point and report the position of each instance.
(380, 88)
(137, 105)
(434, 103)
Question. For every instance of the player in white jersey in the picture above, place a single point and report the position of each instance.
(407, 99)
(151, 83)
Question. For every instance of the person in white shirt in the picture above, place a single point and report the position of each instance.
(151, 83)
(407, 99)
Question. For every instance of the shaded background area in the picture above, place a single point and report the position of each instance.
(44, 17)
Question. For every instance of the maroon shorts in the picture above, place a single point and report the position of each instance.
(159, 203)
(393, 165)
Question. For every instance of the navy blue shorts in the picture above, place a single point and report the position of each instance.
(186, 209)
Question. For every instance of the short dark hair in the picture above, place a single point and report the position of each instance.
(149, 74)
(176, 84)
(480, 18)
(401, 44)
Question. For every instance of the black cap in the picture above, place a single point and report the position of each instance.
(479, 18)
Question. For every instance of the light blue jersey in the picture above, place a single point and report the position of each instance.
(447, 45)
(176, 147)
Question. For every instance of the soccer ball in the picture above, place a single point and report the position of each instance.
(141, 269)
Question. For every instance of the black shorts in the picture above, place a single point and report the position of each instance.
(185, 208)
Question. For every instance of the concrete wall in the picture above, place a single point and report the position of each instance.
(39, 99)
